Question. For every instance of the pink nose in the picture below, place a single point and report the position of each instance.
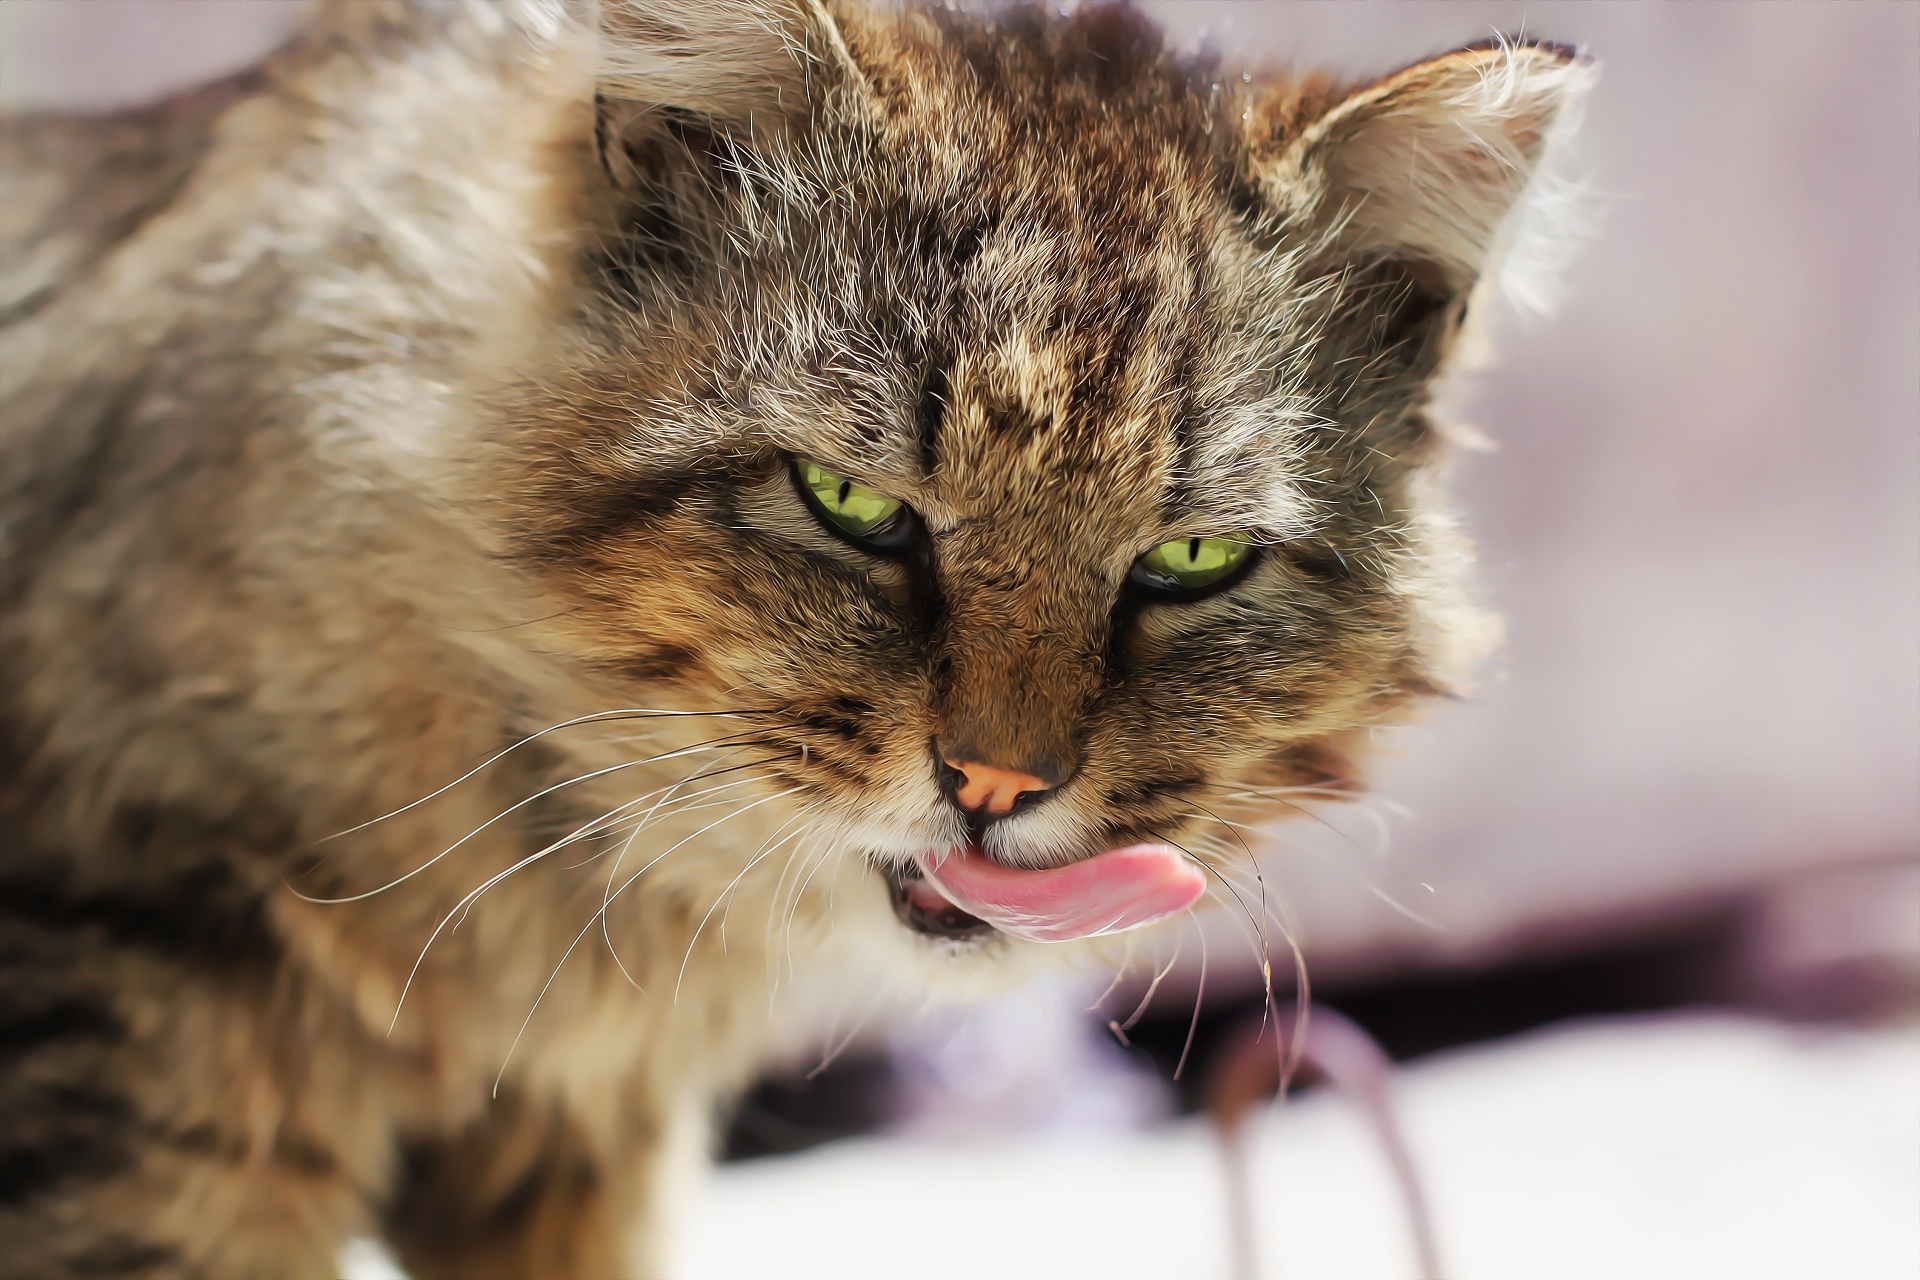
(991, 790)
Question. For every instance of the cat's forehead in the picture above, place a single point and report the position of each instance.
(1080, 287)
(1057, 288)
(1129, 391)
(1085, 129)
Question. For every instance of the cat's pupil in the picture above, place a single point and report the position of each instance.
(846, 487)
(1193, 550)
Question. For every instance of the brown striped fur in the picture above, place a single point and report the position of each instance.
(433, 385)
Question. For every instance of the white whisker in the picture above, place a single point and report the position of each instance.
(1199, 998)
(497, 756)
(651, 862)
(465, 904)
(613, 873)
(695, 939)
(1120, 1029)
(798, 895)
(833, 1051)
(509, 811)
(767, 847)
(600, 916)
(782, 906)
(1126, 963)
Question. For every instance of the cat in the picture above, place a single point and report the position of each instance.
(547, 547)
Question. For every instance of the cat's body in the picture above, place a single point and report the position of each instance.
(434, 385)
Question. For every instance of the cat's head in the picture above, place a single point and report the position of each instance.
(1023, 424)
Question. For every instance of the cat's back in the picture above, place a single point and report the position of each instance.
(83, 201)
(73, 187)
(265, 284)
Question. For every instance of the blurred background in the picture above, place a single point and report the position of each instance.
(1641, 919)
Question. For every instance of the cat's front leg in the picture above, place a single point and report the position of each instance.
(158, 1119)
(538, 1189)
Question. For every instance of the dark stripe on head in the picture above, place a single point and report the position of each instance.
(594, 510)
(931, 412)
(1187, 429)
(1137, 794)
(1096, 393)
(661, 662)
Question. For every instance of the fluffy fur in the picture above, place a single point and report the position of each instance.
(403, 593)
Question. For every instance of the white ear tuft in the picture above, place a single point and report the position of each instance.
(1452, 161)
(727, 60)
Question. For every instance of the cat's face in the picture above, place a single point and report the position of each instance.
(1150, 413)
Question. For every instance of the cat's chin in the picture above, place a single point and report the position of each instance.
(926, 911)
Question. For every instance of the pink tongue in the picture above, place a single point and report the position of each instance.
(1110, 892)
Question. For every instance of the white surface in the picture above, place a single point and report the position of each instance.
(365, 1260)
(1692, 1148)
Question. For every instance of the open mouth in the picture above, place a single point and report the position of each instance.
(925, 910)
(963, 892)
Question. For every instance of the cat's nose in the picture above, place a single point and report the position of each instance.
(989, 791)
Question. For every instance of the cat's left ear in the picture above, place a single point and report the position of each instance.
(1439, 167)
(736, 67)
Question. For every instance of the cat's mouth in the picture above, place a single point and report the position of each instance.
(925, 910)
(964, 893)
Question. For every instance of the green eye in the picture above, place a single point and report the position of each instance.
(853, 509)
(1190, 564)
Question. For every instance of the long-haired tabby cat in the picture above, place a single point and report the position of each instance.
(544, 542)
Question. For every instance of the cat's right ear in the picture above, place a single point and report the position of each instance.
(1443, 167)
(733, 68)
